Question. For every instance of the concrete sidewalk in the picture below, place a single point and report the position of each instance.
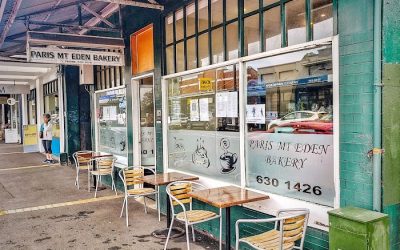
(40, 208)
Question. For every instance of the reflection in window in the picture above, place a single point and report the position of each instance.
(191, 53)
(232, 41)
(272, 28)
(190, 19)
(232, 9)
(216, 12)
(179, 24)
(169, 30)
(295, 22)
(217, 45)
(250, 5)
(251, 35)
(170, 59)
(203, 14)
(180, 57)
(203, 50)
(322, 21)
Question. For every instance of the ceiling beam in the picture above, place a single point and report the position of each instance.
(104, 20)
(10, 21)
(135, 4)
(17, 77)
(61, 6)
(105, 13)
(74, 26)
(19, 73)
(2, 7)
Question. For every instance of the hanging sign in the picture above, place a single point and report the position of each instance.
(74, 57)
(11, 101)
(205, 84)
(14, 89)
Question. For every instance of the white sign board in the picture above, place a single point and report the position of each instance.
(255, 113)
(74, 57)
(14, 89)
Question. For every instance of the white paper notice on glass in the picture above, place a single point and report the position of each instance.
(255, 113)
(194, 110)
(110, 113)
(232, 105)
(221, 101)
(203, 103)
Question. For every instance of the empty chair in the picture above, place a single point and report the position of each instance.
(133, 186)
(178, 196)
(104, 167)
(290, 228)
(83, 161)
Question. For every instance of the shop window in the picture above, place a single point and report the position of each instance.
(190, 19)
(289, 119)
(191, 53)
(170, 59)
(204, 57)
(169, 29)
(180, 57)
(295, 22)
(179, 24)
(251, 35)
(232, 41)
(250, 5)
(203, 15)
(216, 12)
(272, 29)
(322, 20)
(217, 45)
(232, 9)
(203, 130)
(111, 122)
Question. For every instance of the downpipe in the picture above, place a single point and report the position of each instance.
(377, 110)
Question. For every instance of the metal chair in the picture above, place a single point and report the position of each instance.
(178, 195)
(83, 161)
(133, 186)
(104, 166)
(290, 227)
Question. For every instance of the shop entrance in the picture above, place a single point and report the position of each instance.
(143, 120)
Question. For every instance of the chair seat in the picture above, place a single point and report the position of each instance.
(84, 167)
(196, 215)
(268, 241)
(141, 191)
(101, 172)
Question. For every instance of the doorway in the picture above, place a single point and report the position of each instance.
(143, 121)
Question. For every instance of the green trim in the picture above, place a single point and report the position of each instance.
(309, 28)
(283, 24)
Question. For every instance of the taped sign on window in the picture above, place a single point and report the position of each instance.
(205, 84)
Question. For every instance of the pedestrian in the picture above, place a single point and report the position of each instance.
(46, 134)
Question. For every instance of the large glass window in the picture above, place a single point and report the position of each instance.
(169, 29)
(216, 12)
(203, 130)
(232, 41)
(111, 123)
(289, 118)
(232, 10)
(272, 28)
(217, 45)
(180, 58)
(179, 24)
(296, 22)
(322, 20)
(191, 53)
(204, 56)
(170, 59)
(190, 19)
(250, 5)
(203, 14)
(251, 35)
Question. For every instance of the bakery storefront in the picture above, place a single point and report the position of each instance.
(250, 98)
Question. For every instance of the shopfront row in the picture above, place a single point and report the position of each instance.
(289, 225)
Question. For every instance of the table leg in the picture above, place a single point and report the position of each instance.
(168, 213)
(228, 228)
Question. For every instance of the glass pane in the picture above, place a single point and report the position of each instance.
(322, 21)
(231, 9)
(232, 40)
(147, 123)
(272, 28)
(179, 24)
(217, 45)
(169, 30)
(170, 59)
(203, 14)
(190, 19)
(250, 5)
(296, 22)
(269, 2)
(216, 12)
(180, 57)
(289, 125)
(203, 50)
(251, 35)
(191, 53)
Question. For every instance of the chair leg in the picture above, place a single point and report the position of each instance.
(113, 185)
(158, 204)
(220, 233)
(193, 235)
(126, 212)
(169, 233)
(77, 178)
(187, 235)
(145, 206)
(123, 206)
(97, 185)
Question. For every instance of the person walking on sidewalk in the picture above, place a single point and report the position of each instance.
(46, 134)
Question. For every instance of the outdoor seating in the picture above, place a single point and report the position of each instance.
(178, 195)
(83, 161)
(104, 166)
(133, 187)
(290, 227)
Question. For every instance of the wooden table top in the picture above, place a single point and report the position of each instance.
(167, 178)
(227, 196)
(99, 155)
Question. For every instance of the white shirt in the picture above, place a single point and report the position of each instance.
(47, 131)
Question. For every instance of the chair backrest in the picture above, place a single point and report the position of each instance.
(105, 163)
(178, 193)
(132, 176)
(293, 225)
(82, 157)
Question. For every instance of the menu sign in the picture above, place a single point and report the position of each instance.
(294, 165)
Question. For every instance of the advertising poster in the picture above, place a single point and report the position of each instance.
(203, 105)
(30, 135)
(194, 110)
(227, 104)
(255, 113)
